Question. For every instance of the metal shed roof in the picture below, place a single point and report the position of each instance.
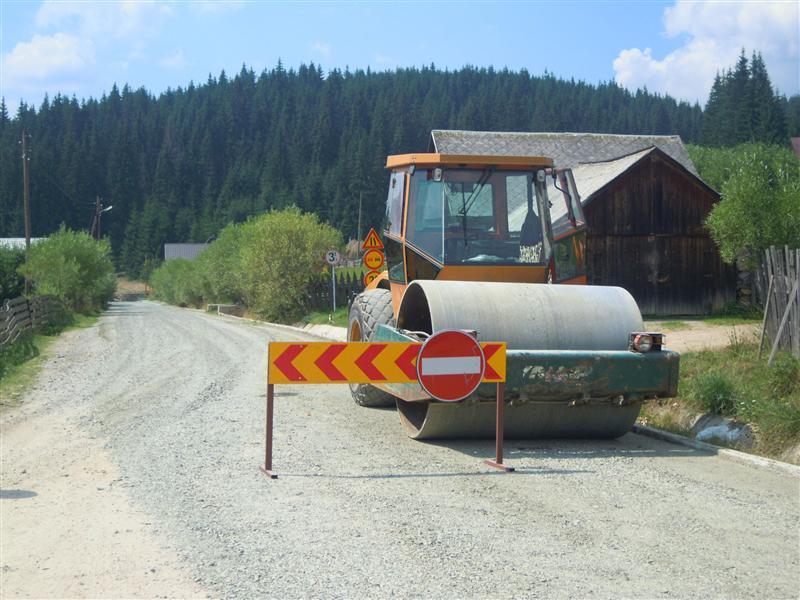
(566, 149)
(187, 251)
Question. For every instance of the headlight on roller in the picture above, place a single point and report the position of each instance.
(645, 342)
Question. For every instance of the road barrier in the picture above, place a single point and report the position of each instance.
(448, 366)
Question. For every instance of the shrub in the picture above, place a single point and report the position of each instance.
(177, 282)
(17, 353)
(281, 255)
(784, 375)
(74, 267)
(714, 392)
(12, 284)
(219, 267)
(760, 206)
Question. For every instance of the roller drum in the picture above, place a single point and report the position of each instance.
(526, 317)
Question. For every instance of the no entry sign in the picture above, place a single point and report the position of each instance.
(450, 366)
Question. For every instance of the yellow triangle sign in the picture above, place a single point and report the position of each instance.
(373, 242)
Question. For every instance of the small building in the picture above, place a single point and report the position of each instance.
(16, 242)
(645, 208)
(187, 251)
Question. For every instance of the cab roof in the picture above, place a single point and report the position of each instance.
(430, 159)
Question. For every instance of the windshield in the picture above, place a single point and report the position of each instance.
(477, 216)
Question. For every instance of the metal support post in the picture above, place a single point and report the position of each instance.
(497, 463)
(266, 468)
(333, 286)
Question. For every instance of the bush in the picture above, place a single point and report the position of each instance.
(74, 267)
(219, 267)
(784, 375)
(714, 392)
(177, 281)
(760, 206)
(281, 256)
(12, 284)
(268, 263)
(17, 353)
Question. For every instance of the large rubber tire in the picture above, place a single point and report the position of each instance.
(369, 309)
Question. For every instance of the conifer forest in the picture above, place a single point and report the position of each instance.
(179, 166)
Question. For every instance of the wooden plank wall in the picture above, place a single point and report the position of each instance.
(781, 327)
(646, 234)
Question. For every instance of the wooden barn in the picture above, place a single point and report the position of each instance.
(645, 206)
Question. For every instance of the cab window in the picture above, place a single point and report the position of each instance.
(394, 204)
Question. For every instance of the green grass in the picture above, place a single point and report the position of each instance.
(359, 271)
(670, 325)
(16, 379)
(731, 320)
(338, 318)
(733, 382)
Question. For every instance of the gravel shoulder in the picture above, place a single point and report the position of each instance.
(163, 409)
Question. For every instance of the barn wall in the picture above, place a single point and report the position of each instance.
(646, 234)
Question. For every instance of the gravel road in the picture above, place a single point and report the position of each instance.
(132, 470)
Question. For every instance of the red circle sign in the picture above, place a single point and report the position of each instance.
(450, 365)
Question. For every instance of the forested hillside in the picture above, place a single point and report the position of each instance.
(180, 166)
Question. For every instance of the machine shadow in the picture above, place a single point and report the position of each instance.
(630, 445)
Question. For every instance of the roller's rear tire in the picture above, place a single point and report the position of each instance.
(369, 309)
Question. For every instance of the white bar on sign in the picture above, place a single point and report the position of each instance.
(454, 365)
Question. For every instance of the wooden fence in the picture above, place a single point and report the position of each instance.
(779, 276)
(348, 286)
(19, 316)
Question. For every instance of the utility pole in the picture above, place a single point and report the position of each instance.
(26, 191)
(97, 208)
(359, 221)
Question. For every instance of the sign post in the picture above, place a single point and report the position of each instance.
(332, 258)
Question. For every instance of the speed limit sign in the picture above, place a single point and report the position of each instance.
(332, 257)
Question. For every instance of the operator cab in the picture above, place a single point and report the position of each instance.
(480, 218)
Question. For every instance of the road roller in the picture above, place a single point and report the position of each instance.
(496, 245)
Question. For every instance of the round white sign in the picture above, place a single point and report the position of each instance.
(332, 257)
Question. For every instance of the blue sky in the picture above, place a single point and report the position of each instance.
(82, 48)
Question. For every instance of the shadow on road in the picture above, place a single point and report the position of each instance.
(489, 471)
(16, 494)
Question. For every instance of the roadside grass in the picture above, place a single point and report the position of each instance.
(17, 378)
(733, 382)
(358, 271)
(732, 320)
(669, 325)
(326, 317)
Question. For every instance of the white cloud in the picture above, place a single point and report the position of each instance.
(174, 61)
(384, 60)
(46, 56)
(322, 48)
(715, 33)
(127, 19)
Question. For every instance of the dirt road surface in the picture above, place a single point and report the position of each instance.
(131, 470)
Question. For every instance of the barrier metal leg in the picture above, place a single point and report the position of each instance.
(497, 463)
(266, 468)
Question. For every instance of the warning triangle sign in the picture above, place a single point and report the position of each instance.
(373, 242)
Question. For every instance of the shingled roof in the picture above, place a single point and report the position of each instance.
(566, 149)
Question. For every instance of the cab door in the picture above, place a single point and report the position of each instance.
(569, 230)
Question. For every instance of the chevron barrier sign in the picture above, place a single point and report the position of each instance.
(443, 367)
(362, 362)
